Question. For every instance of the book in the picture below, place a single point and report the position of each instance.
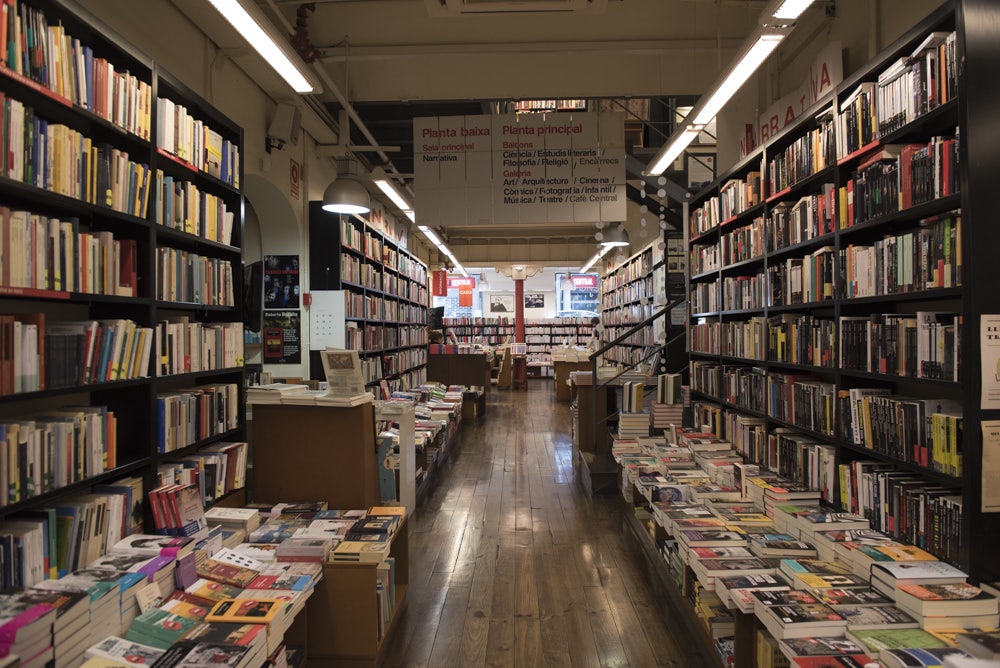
(802, 620)
(186, 653)
(851, 597)
(942, 600)
(914, 657)
(159, 628)
(884, 616)
(230, 574)
(125, 651)
(246, 611)
(877, 640)
(981, 645)
(819, 646)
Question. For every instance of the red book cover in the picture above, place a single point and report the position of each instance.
(127, 267)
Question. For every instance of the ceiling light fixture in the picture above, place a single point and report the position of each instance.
(346, 195)
(256, 30)
(590, 263)
(381, 179)
(412, 215)
(756, 50)
(790, 9)
(616, 235)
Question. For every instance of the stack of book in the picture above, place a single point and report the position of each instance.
(632, 425)
(246, 519)
(272, 393)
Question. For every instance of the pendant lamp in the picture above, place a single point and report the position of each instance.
(616, 235)
(346, 195)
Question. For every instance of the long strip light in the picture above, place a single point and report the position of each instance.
(381, 179)
(593, 260)
(253, 31)
(434, 239)
(791, 9)
(759, 47)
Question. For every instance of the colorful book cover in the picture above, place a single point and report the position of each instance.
(832, 646)
(210, 589)
(247, 610)
(876, 616)
(237, 576)
(200, 653)
(233, 634)
(877, 640)
(17, 613)
(851, 597)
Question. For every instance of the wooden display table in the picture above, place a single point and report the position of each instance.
(562, 371)
(460, 369)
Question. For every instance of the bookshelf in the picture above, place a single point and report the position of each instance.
(540, 334)
(630, 293)
(94, 260)
(386, 293)
(857, 230)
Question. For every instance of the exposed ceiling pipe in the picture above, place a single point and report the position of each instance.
(341, 98)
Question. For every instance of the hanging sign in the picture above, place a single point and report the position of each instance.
(520, 168)
(584, 280)
(439, 281)
(465, 294)
(459, 281)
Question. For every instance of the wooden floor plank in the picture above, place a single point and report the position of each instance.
(512, 565)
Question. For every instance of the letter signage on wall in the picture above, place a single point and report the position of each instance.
(527, 168)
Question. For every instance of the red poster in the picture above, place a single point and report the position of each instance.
(439, 283)
(465, 294)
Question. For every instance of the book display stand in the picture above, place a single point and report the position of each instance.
(309, 453)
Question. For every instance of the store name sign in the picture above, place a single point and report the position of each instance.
(459, 281)
(527, 168)
(584, 281)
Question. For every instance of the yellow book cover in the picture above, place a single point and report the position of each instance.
(247, 610)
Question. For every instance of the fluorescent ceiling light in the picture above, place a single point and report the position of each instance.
(738, 76)
(381, 179)
(590, 263)
(761, 46)
(791, 9)
(269, 49)
(429, 233)
(412, 215)
(672, 150)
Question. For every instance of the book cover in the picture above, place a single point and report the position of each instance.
(246, 611)
(933, 572)
(835, 661)
(230, 574)
(229, 633)
(125, 651)
(851, 597)
(958, 598)
(876, 640)
(20, 617)
(190, 653)
(915, 657)
(832, 646)
(210, 589)
(818, 581)
(161, 624)
(876, 617)
(770, 599)
(983, 645)
(812, 614)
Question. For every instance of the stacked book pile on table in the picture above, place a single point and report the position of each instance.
(827, 589)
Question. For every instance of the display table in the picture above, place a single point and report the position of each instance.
(562, 371)
(461, 369)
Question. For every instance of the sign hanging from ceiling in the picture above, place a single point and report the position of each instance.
(526, 168)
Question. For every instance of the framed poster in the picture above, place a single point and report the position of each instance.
(534, 300)
(282, 343)
(501, 303)
(281, 281)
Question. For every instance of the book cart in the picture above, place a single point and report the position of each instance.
(90, 234)
(327, 453)
(386, 293)
(851, 255)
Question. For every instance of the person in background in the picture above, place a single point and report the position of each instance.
(435, 336)
(597, 335)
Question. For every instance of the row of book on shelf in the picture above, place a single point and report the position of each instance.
(37, 353)
(888, 177)
(830, 587)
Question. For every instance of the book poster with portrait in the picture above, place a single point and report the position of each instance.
(281, 281)
(502, 303)
(534, 300)
(282, 337)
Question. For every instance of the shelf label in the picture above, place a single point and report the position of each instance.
(528, 168)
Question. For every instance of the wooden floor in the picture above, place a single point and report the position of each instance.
(512, 565)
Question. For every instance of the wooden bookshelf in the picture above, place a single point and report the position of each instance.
(631, 292)
(125, 216)
(386, 296)
(746, 292)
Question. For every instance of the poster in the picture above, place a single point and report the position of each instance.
(989, 344)
(502, 303)
(281, 281)
(991, 466)
(534, 300)
(282, 331)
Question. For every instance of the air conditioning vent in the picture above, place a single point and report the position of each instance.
(456, 7)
